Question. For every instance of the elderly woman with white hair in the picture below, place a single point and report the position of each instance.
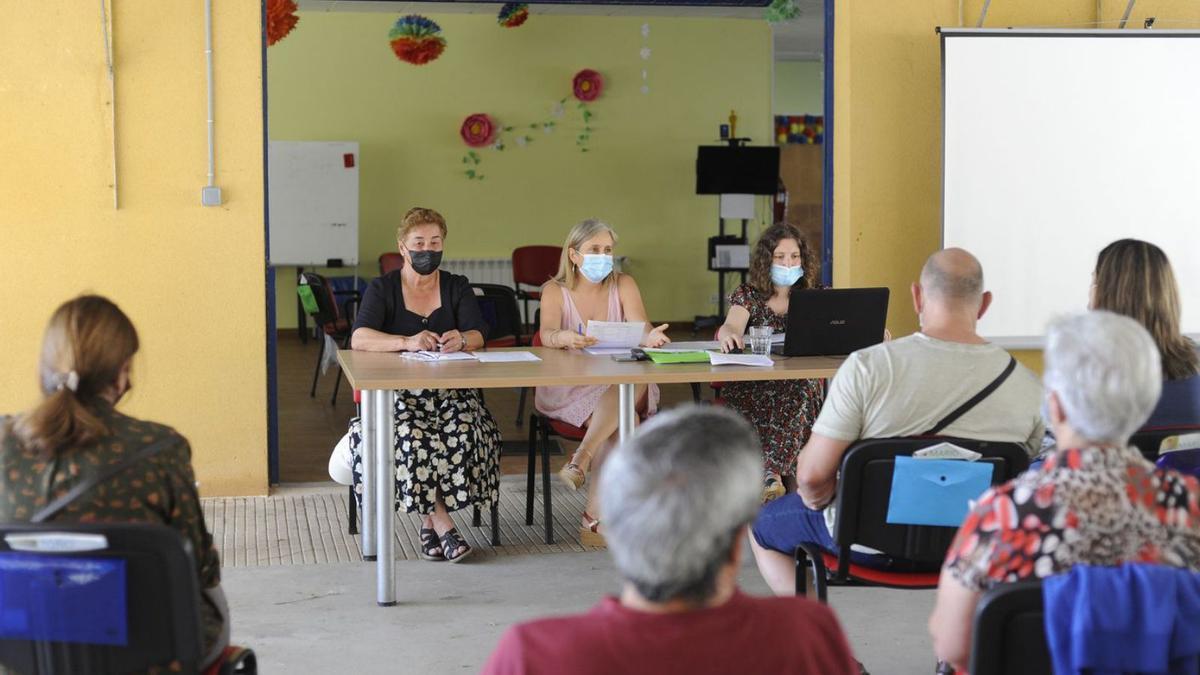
(678, 500)
(1095, 501)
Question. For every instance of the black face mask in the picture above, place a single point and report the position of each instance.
(425, 262)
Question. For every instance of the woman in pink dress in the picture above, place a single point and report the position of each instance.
(587, 289)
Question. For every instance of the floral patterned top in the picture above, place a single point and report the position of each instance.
(782, 411)
(1096, 506)
(163, 490)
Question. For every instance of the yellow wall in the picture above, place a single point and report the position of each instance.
(799, 88)
(888, 130)
(335, 78)
(191, 278)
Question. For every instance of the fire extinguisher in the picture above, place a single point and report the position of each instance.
(781, 202)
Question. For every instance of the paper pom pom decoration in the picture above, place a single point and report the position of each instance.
(416, 39)
(478, 130)
(513, 14)
(799, 129)
(281, 19)
(587, 85)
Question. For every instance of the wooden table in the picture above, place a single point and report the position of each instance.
(378, 375)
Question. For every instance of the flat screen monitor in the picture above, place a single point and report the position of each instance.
(723, 170)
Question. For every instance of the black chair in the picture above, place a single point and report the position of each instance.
(161, 593)
(333, 321)
(864, 490)
(502, 313)
(1009, 636)
(1148, 440)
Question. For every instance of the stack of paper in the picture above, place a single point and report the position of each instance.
(606, 351)
(718, 359)
(612, 334)
(437, 356)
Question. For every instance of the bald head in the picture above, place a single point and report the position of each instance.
(953, 277)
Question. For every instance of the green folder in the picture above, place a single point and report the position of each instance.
(678, 357)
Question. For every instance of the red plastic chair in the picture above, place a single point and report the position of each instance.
(533, 266)
(389, 262)
(333, 320)
(540, 429)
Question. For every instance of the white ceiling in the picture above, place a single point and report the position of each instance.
(801, 39)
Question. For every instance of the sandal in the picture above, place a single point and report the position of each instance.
(572, 474)
(431, 548)
(772, 487)
(589, 532)
(452, 541)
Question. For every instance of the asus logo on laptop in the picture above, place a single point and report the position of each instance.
(838, 322)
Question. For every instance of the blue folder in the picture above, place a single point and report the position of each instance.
(935, 491)
(63, 599)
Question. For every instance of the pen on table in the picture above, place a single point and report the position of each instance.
(580, 329)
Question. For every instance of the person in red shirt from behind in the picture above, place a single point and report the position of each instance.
(678, 499)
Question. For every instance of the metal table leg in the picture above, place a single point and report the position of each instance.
(368, 474)
(385, 497)
(627, 410)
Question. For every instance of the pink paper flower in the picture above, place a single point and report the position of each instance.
(587, 85)
(478, 130)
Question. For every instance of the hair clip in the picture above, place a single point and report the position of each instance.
(69, 380)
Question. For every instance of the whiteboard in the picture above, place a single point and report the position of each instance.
(1056, 144)
(312, 193)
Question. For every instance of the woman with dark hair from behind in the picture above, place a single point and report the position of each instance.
(782, 411)
(1134, 278)
(76, 433)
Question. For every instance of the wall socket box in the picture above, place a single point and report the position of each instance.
(210, 196)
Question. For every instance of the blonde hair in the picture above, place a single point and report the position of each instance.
(1134, 278)
(585, 230)
(416, 217)
(87, 342)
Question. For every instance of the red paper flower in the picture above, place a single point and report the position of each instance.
(281, 19)
(418, 52)
(478, 130)
(587, 85)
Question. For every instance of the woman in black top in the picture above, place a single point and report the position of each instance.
(447, 444)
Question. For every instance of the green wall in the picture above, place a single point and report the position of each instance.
(335, 78)
(799, 89)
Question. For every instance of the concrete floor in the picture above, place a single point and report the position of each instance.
(323, 618)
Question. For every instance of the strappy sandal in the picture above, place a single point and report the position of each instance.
(452, 541)
(572, 474)
(589, 532)
(431, 547)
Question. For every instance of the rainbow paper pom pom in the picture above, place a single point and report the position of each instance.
(416, 40)
(513, 14)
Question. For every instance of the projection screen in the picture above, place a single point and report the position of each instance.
(1059, 142)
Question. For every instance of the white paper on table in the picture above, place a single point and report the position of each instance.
(437, 356)
(606, 351)
(719, 359)
(506, 357)
(612, 334)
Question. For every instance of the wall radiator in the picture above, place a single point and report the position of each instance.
(482, 270)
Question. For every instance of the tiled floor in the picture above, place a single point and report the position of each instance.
(307, 526)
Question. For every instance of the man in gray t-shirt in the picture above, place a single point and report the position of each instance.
(902, 388)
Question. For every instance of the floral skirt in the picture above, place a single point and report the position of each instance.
(446, 443)
(782, 412)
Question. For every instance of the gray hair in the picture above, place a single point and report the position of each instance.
(953, 274)
(1106, 371)
(675, 496)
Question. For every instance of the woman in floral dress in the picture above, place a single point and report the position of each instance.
(782, 411)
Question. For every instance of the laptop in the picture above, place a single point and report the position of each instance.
(833, 321)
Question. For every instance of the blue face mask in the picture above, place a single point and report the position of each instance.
(786, 276)
(596, 267)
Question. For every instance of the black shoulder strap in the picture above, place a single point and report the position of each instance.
(50, 510)
(974, 400)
